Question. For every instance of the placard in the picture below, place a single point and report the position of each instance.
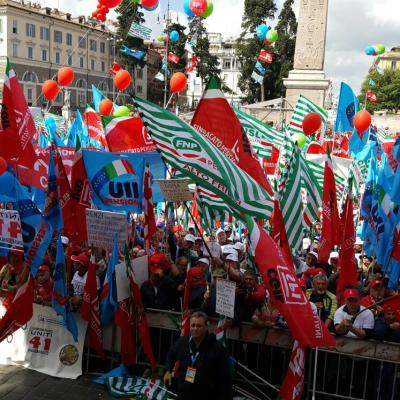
(175, 189)
(102, 225)
(225, 304)
(46, 345)
(10, 228)
(122, 282)
(139, 31)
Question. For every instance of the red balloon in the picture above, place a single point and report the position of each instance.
(50, 89)
(149, 3)
(94, 13)
(311, 123)
(362, 121)
(103, 9)
(267, 43)
(198, 7)
(110, 3)
(65, 76)
(122, 79)
(166, 38)
(3, 165)
(106, 107)
(101, 17)
(178, 82)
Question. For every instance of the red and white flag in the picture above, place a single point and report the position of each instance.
(95, 128)
(265, 56)
(371, 96)
(150, 227)
(90, 309)
(172, 57)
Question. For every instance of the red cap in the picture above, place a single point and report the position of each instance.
(44, 268)
(375, 283)
(154, 269)
(351, 294)
(159, 260)
(311, 272)
(81, 259)
(197, 272)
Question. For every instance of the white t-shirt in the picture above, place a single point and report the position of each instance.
(365, 320)
(78, 283)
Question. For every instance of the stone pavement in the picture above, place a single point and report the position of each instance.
(18, 383)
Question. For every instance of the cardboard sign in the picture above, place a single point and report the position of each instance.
(10, 228)
(46, 345)
(122, 282)
(139, 31)
(102, 225)
(225, 304)
(175, 189)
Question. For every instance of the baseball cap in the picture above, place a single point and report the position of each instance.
(219, 230)
(44, 268)
(64, 240)
(81, 259)
(155, 269)
(196, 272)
(159, 260)
(190, 238)
(232, 257)
(375, 283)
(351, 294)
(313, 253)
(204, 261)
(334, 254)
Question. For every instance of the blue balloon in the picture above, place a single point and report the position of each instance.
(174, 36)
(7, 183)
(150, 8)
(369, 51)
(262, 31)
(186, 8)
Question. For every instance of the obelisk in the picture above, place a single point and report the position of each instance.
(308, 77)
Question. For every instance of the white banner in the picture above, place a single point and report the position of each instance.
(10, 228)
(225, 304)
(46, 345)
(139, 31)
(102, 225)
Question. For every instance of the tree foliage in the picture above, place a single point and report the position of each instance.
(178, 48)
(386, 89)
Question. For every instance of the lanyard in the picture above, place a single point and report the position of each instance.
(193, 357)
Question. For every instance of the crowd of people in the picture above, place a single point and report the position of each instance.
(179, 258)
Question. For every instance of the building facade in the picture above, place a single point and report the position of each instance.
(39, 41)
(229, 64)
(390, 59)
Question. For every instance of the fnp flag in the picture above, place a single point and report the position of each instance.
(116, 180)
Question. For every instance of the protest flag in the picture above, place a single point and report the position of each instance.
(330, 214)
(150, 227)
(21, 308)
(59, 301)
(285, 291)
(371, 96)
(216, 121)
(77, 130)
(96, 137)
(348, 106)
(90, 309)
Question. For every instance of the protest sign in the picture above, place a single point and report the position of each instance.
(102, 225)
(225, 304)
(122, 282)
(175, 189)
(10, 228)
(46, 345)
(139, 31)
(140, 267)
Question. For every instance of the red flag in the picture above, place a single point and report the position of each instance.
(293, 384)
(192, 64)
(330, 215)
(285, 291)
(127, 134)
(173, 58)
(150, 227)
(393, 303)
(21, 308)
(95, 127)
(265, 56)
(124, 318)
(216, 121)
(347, 261)
(90, 309)
(278, 232)
(371, 97)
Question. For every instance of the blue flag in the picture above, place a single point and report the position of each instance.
(51, 127)
(347, 107)
(138, 54)
(371, 82)
(36, 231)
(108, 298)
(367, 146)
(98, 96)
(52, 209)
(60, 293)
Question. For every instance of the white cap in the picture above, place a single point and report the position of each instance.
(229, 249)
(189, 238)
(239, 246)
(313, 253)
(219, 230)
(358, 241)
(334, 254)
(232, 257)
(64, 240)
(204, 261)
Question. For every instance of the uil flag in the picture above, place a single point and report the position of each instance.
(286, 294)
(330, 215)
(371, 96)
(149, 220)
(90, 309)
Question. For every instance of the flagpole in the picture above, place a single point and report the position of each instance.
(166, 57)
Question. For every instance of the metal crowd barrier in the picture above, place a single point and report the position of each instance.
(355, 369)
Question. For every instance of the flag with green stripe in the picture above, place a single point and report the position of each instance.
(190, 153)
(138, 387)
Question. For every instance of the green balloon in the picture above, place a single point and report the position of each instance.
(380, 48)
(160, 38)
(135, 1)
(272, 36)
(122, 111)
(209, 11)
(300, 139)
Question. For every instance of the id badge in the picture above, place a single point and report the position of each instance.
(190, 374)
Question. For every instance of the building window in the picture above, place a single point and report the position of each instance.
(82, 42)
(59, 97)
(30, 52)
(29, 94)
(44, 33)
(58, 58)
(57, 36)
(1, 25)
(15, 50)
(15, 26)
(69, 39)
(394, 65)
(102, 47)
(81, 84)
(70, 60)
(92, 65)
(93, 45)
(226, 64)
(44, 55)
(139, 89)
(139, 73)
(81, 62)
(30, 30)
(81, 98)
(103, 66)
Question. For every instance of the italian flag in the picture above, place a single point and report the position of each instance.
(118, 168)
